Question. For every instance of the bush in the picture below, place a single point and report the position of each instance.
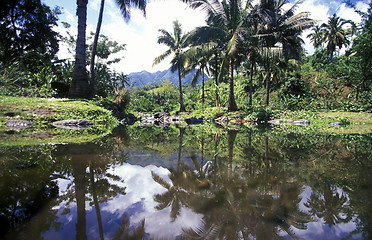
(294, 94)
(122, 99)
(260, 115)
(15, 81)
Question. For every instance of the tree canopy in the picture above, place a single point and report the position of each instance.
(26, 33)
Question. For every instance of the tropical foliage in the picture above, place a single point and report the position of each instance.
(252, 52)
(27, 37)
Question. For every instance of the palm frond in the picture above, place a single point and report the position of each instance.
(214, 10)
(206, 34)
(293, 20)
(271, 52)
(195, 78)
(166, 39)
(233, 44)
(202, 231)
(125, 5)
(164, 200)
(177, 31)
(160, 180)
(160, 58)
(223, 68)
(290, 12)
(175, 209)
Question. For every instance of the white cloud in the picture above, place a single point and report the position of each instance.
(140, 34)
(69, 17)
(361, 6)
(348, 13)
(94, 4)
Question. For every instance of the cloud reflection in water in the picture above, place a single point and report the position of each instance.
(138, 203)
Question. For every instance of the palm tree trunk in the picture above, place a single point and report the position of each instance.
(180, 144)
(79, 87)
(251, 85)
(96, 203)
(203, 95)
(266, 140)
(78, 168)
(267, 86)
(331, 55)
(94, 48)
(182, 106)
(231, 104)
(218, 102)
(231, 136)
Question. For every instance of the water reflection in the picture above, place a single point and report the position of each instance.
(189, 183)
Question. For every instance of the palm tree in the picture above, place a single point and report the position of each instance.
(198, 57)
(251, 55)
(125, 231)
(177, 42)
(335, 35)
(279, 34)
(79, 87)
(316, 36)
(94, 48)
(228, 17)
(125, 11)
(206, 47)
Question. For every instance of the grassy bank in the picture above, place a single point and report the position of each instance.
(43, 111)
(354, 122)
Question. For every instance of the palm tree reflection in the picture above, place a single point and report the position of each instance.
(92, 183)
(175, 196)
(236, 203)
(78, 167)
(126, 232)
(330, 205)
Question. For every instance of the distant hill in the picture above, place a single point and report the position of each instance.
(140, 79)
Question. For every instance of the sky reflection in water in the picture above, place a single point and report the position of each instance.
(256, 186)
(138, 204)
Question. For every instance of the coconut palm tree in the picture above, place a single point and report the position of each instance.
(199, 57)
(316, 36)
(228, 17)
(125, 11)
(207, 44)
(94, 48)
(176, 42)
(79, 87)
(334, 35)
(279, 34)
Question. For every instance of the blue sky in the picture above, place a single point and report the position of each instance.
(140, 34)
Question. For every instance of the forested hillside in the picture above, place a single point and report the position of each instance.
(140, 79)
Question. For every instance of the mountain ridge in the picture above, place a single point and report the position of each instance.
(143, 78)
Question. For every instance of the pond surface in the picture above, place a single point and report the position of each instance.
(189, 183)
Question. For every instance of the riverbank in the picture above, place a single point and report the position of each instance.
(30, 121)
(34, 120)
(305, 121)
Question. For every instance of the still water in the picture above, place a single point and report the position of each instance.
(189, 183)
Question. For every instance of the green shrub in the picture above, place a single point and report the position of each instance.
(260, 115)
